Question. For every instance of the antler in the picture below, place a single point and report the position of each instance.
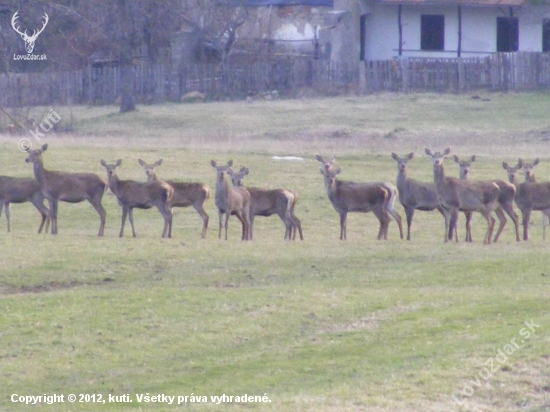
(13, 20)
(37, 32)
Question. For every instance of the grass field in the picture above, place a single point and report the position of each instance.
(318, 325)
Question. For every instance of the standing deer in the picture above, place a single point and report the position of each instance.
(67, 187)
(231, 201)
(414, 195)
(348, 197)
(264, 202)
(185, 193)
(529, 195)
(530, 177)
(131, 194)
(507, 192)
(21, 190)
(464, 195)
(392, 191)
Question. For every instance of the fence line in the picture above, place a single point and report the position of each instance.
(156, 83)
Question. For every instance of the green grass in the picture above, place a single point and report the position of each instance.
(316, 325)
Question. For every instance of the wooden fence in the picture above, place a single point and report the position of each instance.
(155, 83)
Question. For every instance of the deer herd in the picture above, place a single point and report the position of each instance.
(447, 195)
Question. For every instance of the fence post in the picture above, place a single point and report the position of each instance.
(362, 77)
(405, 75)
(461, 75)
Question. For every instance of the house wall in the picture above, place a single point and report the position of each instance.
(478, 30)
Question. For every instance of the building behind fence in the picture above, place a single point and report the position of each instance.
(153, 83)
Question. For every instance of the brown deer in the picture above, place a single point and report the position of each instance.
(265, 202)
(67, 187)
(530, 177)
(348, 197)
(414, 195)
(392, 191)
(21, 190)
(185, 193)
(131, 194)
(505, 201)
(530, 195)
(463, 195)
(231, 201)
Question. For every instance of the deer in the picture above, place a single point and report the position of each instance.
(231, 201)
(392, 190)
(530, 177)
(505, 201)
(185, 193)
(414, 195)
(29, 40)
(67, 187)
(265, 202)
(530, 195)
(347, 196)
(131, 194)
(21, 190)
(463, 195)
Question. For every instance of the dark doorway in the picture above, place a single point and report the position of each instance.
(362, 34)
(507, 34)
(432, 32)
(546, 35)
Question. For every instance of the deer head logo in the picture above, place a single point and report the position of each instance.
(29, 40)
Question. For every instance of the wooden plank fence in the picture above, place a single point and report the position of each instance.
(157, 83)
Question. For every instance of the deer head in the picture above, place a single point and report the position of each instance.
(464, 166)
(150, 169)
(237, 177)
(29, 40)
(402, 162)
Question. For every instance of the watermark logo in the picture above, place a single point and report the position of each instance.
(45, 126)
(29, 40)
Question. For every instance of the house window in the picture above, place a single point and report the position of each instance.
(546, 35)
(432, 32)
(507, 34)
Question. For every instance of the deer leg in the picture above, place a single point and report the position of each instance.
(468, 226)
(343, 219)
(96, 203)
(8, 215)
(44, 212)
(248, 219)
(399, 221)
(227, 222)
(502, 222)
(167, 214)
(220, 215)
(526, 216)
(409, 211)
(124, 214)
(490, 224)
(53, 211)
(509, 208)
(545, 219)
(241, 219)
(296, 225)
(131, 219)
(204, 216)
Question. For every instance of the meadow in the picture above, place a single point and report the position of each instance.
(313, 325)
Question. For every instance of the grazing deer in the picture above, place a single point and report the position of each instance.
(392, 191)
(131, 194)
(185, 193)
(414, 195)
(348, 197)
(264, 202)
(21, 190)
(507, 192)
(529, 195)
(67, 187)
(231, 201)
(463, 195)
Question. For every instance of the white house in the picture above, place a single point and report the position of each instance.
(384, 29)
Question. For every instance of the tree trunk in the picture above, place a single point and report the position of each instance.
(125, 59)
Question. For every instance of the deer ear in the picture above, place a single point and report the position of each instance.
(45, 147)
(473, 158)
(320, 158)
(322, 171)
(158, 163)
(118, 162)
(245, 171)
(410, 156)
(394, 156)
(213, 163)
(505, 165)
(230, 163)
(141, 162)
(457, 159)
(428, 151)
(103, 163)
(536, 162)
(447, 151)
